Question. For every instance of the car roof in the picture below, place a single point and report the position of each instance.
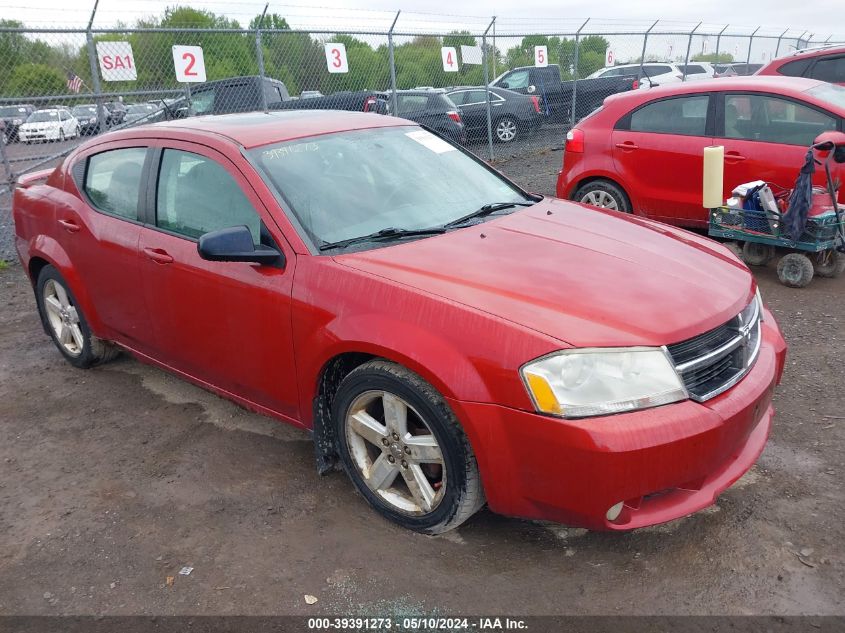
(815, 50)
(253, 129)
(776, 84)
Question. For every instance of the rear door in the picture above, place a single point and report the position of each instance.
(227, 324)
(766, 137)
(658, 151)
(830, 69)
(474, 108)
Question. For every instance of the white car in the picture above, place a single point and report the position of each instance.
(653, 73)
(54, 124)
(698, 70)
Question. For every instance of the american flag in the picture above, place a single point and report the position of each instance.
(74, 83)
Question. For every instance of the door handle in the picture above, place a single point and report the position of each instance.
(627, 145)
(158, 255)
(734, 156)
(70, 226)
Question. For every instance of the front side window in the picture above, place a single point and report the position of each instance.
(830, 69)
(349, 184)
(113, 181)
(756, 117)
(197, 195)
(518, 79)
(685, 115)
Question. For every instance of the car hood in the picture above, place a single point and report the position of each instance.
(583, 275)
(40, 126)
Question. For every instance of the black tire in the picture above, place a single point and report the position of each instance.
(506, 130)
(599, 189)
(795, 270)
(94, 350)
(462, 493)
(829, 263)
(757, 254)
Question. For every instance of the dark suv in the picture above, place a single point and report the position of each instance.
(432, 108)
(13, 116)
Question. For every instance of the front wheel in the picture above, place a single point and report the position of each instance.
(65, 323)
(404, 450)
(603, 194)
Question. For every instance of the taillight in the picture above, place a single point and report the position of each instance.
(574, 141)
(635, 85)
(536, 101)
(454, 116)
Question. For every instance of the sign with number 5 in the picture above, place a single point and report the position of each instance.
(336, 58)
(189, 64)
(541, 56)
(450, 59)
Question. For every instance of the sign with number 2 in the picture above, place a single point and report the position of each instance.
(189, 64)
(336, 58)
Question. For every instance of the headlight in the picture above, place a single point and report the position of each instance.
(93, 119)
(585, 382)
(17, 121)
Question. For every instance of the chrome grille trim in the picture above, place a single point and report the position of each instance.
(743, 346)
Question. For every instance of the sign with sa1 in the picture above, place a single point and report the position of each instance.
(450, 59)
(541, 56)
(189, 64)
(609, 58)
(116, 61)
(336, 60)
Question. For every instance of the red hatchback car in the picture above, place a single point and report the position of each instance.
(642, 152)
(448, 337)
(825, 63)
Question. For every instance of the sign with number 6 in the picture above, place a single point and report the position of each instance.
(541, 56)
(336, 58)
(450, 59)
(189, 64)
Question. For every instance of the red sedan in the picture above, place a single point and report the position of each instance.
(447, 337)
(642, 152)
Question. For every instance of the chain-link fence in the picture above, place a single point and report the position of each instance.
(59, 86)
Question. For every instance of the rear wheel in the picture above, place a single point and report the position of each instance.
(795, 270)
(64, 321)
(507, 129)
(757, 254)
(829, 263)
(603, 194)
(404, 450)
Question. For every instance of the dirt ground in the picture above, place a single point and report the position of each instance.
(115, 478)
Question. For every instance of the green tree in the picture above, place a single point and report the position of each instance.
(713, 58)
(32, 80)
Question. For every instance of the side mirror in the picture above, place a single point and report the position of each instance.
(234, 244)
(504, 84)
(531, 89)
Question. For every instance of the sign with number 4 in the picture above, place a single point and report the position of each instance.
(336, 58)
(189, 64)
(541, 56)
(450, 59)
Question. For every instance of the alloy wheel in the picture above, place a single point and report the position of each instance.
(63, 318)
(599, 198)
(506, 130)
(395, 452)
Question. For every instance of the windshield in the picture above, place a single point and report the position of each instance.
(830, 93)
(43, 115)
(345, 185)
(84, 111)
(12, 111)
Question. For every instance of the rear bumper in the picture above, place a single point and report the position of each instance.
(663, 463)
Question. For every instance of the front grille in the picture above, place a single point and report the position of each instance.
(713, 362)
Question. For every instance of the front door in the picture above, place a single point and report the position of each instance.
(227, 324)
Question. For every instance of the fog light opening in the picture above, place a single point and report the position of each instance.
(615, 511)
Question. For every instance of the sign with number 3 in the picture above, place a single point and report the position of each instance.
(189, 64)
(336, 58)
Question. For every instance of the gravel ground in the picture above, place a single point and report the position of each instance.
(113, 479)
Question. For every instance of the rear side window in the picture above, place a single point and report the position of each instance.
(652, 70)
(685, 115)
(795, 68)
(831, 69)
(411, 104)
(693, 69)
(197, 195)
(113, 181)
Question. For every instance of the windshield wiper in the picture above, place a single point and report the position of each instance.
(382, 235)
(487, 209)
